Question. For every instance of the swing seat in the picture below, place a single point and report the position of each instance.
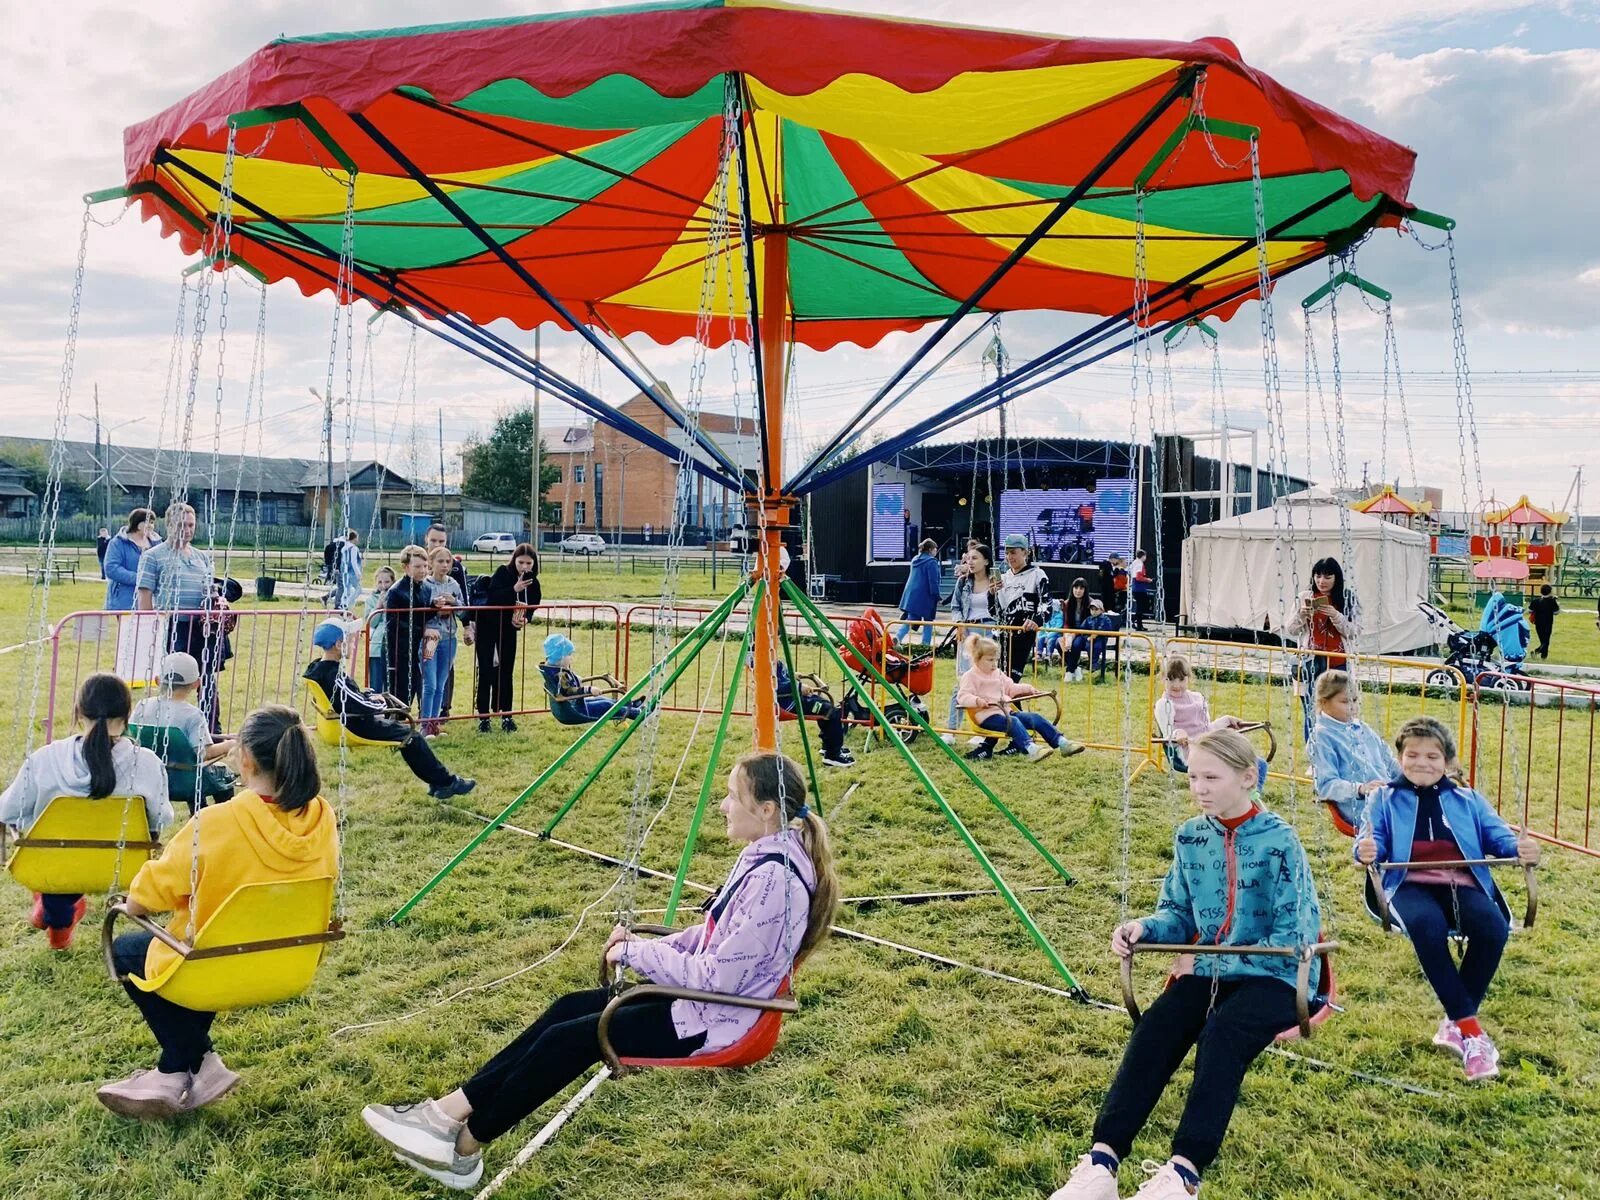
(972, 720)
(1175, 760)
(261, 947)
(80, 846)
(171, 745)
(329, 730)
(1311, 1007)
(562, 706)
(758, 1042)
(1339, 822)
(1377, 904)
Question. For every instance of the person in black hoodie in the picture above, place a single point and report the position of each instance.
(513, 590)
(407, 617)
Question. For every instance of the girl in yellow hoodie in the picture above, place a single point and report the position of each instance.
(278, 827)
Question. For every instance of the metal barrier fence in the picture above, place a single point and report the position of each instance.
(1392, 690)
(268, 651)
(1532, 752)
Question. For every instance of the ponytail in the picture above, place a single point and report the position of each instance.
(101, 698)
(276, 738)
(776, 779)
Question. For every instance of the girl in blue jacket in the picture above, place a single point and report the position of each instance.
(1349, 760)
(1427, 816)
(919, 602)
(1238, 877)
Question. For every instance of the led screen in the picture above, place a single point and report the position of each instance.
(888, 520)
(1072, 525)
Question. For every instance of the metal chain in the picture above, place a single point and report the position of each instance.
(1466, 418)
(39, 593)
(1400, 392)
(169, 397)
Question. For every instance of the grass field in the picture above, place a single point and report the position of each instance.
(899, 1078)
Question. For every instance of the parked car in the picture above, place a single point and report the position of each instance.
(583, 543)
(495, 542)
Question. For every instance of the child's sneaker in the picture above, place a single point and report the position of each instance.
(36, 918)
(1449, 1037)
(1481, 1059)
(61, 939)
(980, 753)
(1017, 751)
(949, 739)
(463, 1174)
(1165, 1184)
(1067, 748)
(842, 759)
(1088, 1181)
(1038, 750)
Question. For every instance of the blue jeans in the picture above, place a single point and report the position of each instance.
(905, 632)
(1018, 724)
(377, 677)
(1430, 911)
(435, 671)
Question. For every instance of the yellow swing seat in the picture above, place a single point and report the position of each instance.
(81, 845)
(328, 727)
(261, 947)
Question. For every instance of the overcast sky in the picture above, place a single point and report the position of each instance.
(1500, 98)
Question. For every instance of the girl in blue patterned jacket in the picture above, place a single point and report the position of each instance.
(1238, 877)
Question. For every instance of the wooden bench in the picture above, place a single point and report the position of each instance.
(56, 571)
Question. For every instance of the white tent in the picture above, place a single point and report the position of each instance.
(1231, 570)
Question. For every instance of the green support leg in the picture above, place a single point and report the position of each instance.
(800, 716)
(716, 756)
(950, 752)
(714, 620)
(816, 620)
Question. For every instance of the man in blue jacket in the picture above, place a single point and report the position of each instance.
(919, 603)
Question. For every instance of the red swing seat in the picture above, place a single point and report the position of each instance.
(1339, 822)
(758, 1042)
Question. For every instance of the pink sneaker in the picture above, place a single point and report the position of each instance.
(1449, 1038)
(1481, 1058)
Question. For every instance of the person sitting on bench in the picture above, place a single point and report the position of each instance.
(371, 715)
(572, 700)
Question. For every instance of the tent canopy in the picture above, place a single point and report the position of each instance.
(902, 162)
(1231, 570)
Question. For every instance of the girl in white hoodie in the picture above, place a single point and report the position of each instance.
(100, 762)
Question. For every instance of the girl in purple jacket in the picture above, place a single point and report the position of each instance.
(773, 910)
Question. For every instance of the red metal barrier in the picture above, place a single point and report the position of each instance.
(1532, 753)
(270, 649)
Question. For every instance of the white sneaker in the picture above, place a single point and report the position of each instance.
(462, 1175)
(976, 741)
(1164, 1184)
(1038, 750)
(949, 739)
(1088, 1181)
(419, 1131)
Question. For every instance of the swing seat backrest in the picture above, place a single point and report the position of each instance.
(83, 846)
(328, 727)
(759, 1041)
(171, 745)
(261, 947)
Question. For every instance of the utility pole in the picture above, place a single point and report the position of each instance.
(104, 463)
(441, 475)
(533, 500)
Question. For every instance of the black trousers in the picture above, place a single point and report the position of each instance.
(1544, 629)
(405, 672)
(1250, 1011)
(1430, 911)
(1018, 650)
(184, 1034)
(497, 657)
(830, 728)
(414, 748)
(59, 908)
(560, 1046)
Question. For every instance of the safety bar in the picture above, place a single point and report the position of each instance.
(187, 952)
(1530, 881)
(1305, 955)
(1247, 727)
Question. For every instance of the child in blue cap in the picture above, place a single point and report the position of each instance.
(571, 700)
(371, 715)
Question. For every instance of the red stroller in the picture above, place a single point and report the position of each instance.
(910, 676)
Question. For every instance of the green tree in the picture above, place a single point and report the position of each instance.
(497, 467)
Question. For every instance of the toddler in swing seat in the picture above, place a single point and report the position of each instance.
(1349, 759)
(1239, 877)
(987, 693)
(1183, 715)
(1426, 815)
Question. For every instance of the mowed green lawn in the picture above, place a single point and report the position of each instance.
(899, 1079)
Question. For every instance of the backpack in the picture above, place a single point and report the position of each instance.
(478, 590)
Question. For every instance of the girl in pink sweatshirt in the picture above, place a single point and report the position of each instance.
(987, 693)
(773, 910)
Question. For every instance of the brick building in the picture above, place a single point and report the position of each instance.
(609, 481)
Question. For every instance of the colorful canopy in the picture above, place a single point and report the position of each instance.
(902, 161)
(1389, 503)
(1524, 513)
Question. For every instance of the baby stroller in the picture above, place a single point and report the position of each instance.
(1478, 653)
(910, 676)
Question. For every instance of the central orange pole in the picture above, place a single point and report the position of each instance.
(774, 505)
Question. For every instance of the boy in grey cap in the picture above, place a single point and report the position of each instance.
(174, 706)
